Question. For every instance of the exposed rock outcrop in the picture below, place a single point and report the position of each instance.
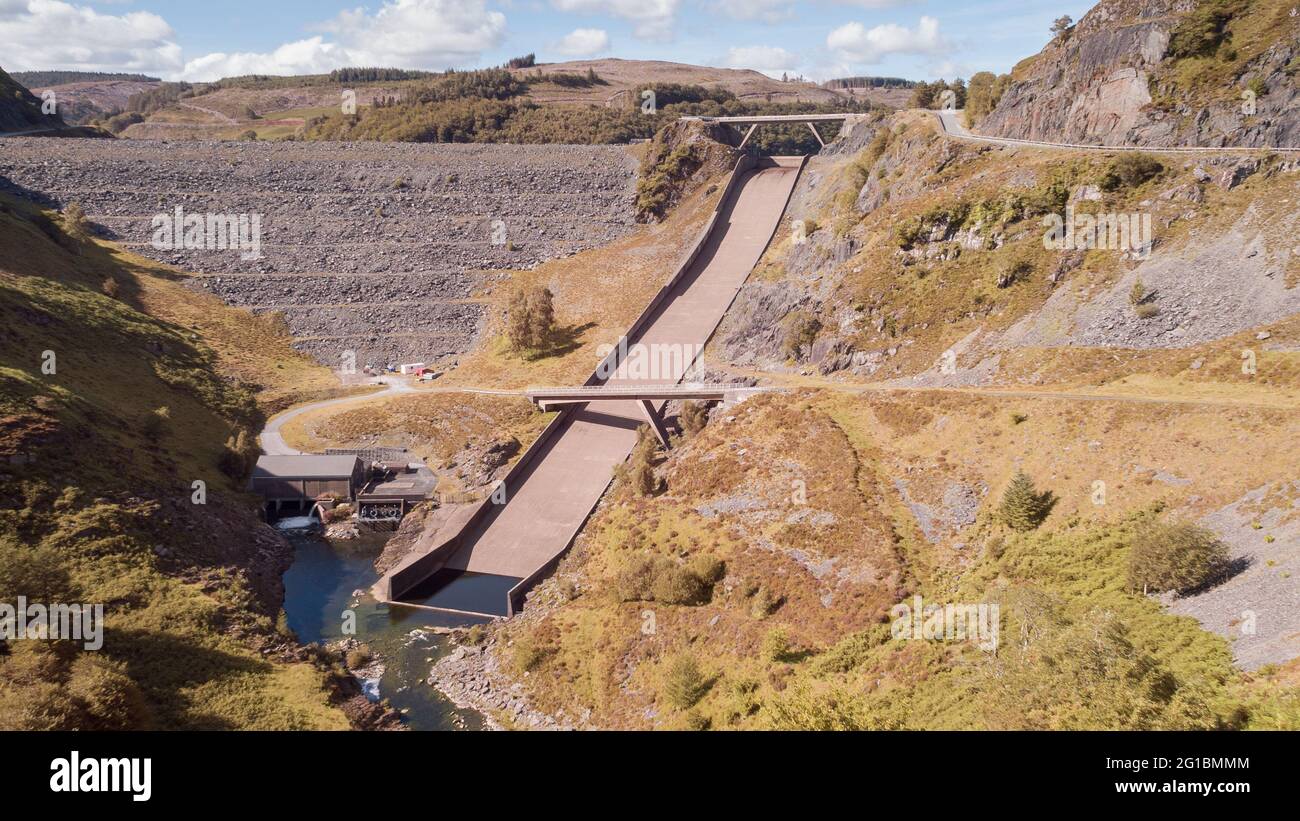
(1115, 79)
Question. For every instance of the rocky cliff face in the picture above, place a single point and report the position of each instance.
(1122, 76)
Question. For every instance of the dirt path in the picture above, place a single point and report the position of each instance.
(224, 118)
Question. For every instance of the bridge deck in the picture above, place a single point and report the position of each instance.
(773, 118)
(616, 391)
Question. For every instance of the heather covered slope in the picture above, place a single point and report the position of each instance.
(1162, 73)
(119, 389)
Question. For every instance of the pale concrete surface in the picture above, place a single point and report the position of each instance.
(569, 476)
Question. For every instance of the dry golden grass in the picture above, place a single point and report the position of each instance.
(599, 293)
(435, 426)
(853, 453)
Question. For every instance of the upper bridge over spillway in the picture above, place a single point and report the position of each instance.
(504, 544)
(755, 120)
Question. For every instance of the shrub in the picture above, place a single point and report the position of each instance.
(1023, 508)
(528, 654)
(776, 645)
(639, 469)
(800, 333)
(763, 603)
(154, 423)
(108, 698)
(684, 684)
(662, 178)
(240, 456)
(339, 513)
(110, 288)
(708, 568)
(1146, 310)
(249, 136)
(651, 578)
(121, 122)
(358, 657)
(1129, 170)
(75, 224)
(634, 582)
(1174, 556)
(642, 477)
(1015, 272)
(1137, 294)
(695, 721)
(678, 585)
(693, 416)
(1257, 86)
(475, 636)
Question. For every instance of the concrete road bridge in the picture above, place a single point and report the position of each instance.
(754, 121)
(651, 399)
(489, 554)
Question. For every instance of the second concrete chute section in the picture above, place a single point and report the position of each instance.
(551, 491)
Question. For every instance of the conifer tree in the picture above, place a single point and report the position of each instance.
(1023, 508)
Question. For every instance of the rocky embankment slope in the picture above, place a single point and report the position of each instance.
(372, 248)
(1161, 73)
(917, 245)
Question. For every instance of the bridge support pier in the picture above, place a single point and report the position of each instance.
(656, 422)
(813, 129)
(745, 139)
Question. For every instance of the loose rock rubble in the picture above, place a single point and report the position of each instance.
(375, 248)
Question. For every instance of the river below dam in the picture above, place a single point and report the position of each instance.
(328, 578)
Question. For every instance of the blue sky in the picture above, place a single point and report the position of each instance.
(917, 39)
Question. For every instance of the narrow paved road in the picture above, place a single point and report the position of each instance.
(273, 443)
(951, 124)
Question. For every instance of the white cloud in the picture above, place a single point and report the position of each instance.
(427, 34)
(310, 56)
(651, 19)
(51, 34)
(856, 43)
(878, 4)
(769, 11)
(771, 59)
(583, 43)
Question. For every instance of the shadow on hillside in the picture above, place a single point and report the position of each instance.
(1227, 571)
(564, 340)
(164, 664)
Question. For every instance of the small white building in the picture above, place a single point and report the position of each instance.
(411, 368)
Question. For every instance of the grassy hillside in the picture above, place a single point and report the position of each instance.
(20, 110)
(591, 101)
(120, 388)
(807, 541)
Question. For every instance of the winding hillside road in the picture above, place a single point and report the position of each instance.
(273, 443)
(951, 125)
